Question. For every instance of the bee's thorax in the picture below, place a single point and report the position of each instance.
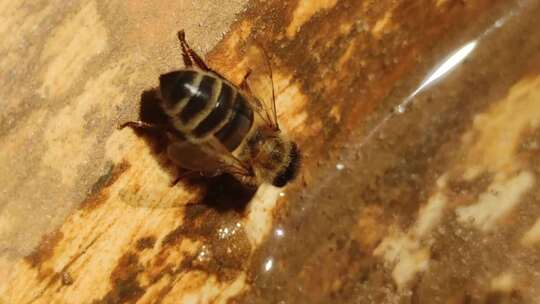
(269, 154)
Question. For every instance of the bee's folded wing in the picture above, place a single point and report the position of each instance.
(194, 157)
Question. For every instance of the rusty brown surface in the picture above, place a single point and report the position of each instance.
(341, 220)
(407, 193)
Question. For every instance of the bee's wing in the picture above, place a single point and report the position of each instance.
(233, 164)
(194, 157)
(272, 110)
(266, 109)
(207, 157)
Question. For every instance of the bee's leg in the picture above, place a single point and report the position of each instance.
(179, 177)
(189, 55)
(248, 180)
(185, 49)
(192, 173)
(137, 124)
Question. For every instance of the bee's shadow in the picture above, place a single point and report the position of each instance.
(222, 192)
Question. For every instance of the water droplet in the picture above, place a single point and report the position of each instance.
(400, 109)
(268, 265)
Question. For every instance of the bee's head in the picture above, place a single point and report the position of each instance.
(290, 168)
(276, 160)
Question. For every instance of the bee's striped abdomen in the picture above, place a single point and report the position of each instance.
(201, 105)
(238, 125)
(204, 98)
(176, 88)
(219, 114)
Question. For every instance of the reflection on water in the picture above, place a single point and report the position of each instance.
(446, 66)
(452, 61)
(268, 265)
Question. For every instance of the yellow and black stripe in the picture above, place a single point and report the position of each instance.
(200, 105)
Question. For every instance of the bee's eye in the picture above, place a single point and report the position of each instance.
(291, 170)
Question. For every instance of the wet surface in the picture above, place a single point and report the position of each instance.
(372, 181)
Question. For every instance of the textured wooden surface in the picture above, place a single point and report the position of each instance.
(419, 125)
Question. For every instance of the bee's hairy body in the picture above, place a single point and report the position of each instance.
(212, 126)
(202, 105)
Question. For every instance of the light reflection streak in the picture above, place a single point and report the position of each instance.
(448, 65)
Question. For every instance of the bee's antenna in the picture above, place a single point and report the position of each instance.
(274, 111)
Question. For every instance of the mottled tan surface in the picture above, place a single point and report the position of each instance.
(71, 72)
(411, 190)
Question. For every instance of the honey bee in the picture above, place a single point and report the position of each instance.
(216, 127)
